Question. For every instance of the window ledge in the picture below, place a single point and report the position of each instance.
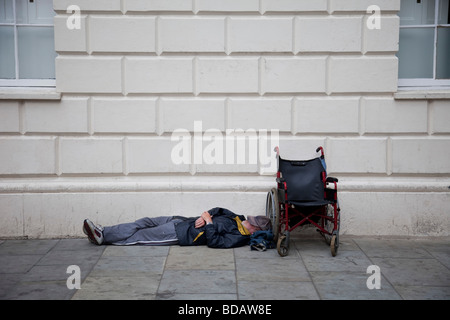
(29, 93)
(422, 94)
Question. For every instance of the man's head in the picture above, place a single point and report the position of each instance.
(257, 223)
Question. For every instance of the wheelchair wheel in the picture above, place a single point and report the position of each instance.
(332, 238)
(334, 245)
(283, 244)
(328, 224)
(273, 211)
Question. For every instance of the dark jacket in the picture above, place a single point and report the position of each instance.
(226, 231)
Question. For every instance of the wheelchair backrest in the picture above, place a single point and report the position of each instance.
(304, 179)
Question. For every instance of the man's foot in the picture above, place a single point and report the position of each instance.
(94, 233)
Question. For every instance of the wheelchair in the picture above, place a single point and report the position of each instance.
(304, 195)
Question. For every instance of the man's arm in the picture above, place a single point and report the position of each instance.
(221, 239)
(206, 217)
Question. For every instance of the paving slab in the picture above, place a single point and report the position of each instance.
(277, 290)
(393, 248)
(424, 292)
(18, 264)
(317, 257)
(438, 248)
(131, 266)
(39, 290)
(196, 296)
(182, 258)
(198, 282)
(119, 288)
(271, 270)
(136, 251)
(350, 286)
(22, 247)
(414, 271)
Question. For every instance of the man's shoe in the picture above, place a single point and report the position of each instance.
(94, 233)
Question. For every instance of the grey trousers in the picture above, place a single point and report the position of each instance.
(146, 231)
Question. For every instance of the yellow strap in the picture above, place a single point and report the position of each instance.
(199, 235)
(241, 227)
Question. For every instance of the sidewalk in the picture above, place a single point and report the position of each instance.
(416, 268)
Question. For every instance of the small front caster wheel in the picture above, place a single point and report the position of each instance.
(283, 245)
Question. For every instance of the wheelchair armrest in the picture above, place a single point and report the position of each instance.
(331, 179)
(281, 184)
(280, 180)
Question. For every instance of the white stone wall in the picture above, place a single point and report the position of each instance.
(136, 71)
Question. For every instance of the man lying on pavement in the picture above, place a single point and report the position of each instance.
(216, 228)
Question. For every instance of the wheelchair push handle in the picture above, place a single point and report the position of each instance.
(321, 152)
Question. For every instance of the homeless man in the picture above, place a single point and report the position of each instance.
(216, 228)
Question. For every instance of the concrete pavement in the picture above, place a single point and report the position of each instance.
(411, 268)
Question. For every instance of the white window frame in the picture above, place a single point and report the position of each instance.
(17, 82)
(431, 83)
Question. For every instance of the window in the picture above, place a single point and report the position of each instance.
(27, 53)
(424, 49)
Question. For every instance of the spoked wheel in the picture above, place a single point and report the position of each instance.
(283, 244)
(273, 211)
(332, 238)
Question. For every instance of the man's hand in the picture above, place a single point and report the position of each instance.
(204, 219)
(207, 217)
(199, 223)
